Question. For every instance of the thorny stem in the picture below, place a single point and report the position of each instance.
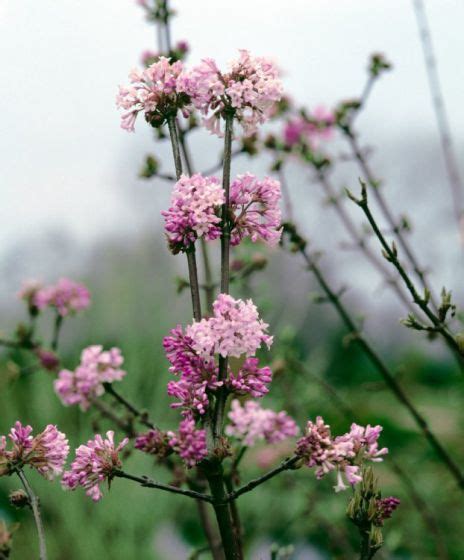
(149, 483)
(34, 502)
(390, 253)
(357, 238)
(381, 367)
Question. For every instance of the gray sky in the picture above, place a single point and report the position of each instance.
(65, 164)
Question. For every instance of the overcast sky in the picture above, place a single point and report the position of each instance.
(66, 165)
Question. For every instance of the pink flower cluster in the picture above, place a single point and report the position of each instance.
(252, 423)
(343, 453)
(94, 464)
(302, 129)
(159, 91)
(249, 90)
(86, 382)
(194, 211)
(196, 205)
(189, 443)
(66, 296)
(234, 329)
(255, 205)
(153, 442)
(46, 452)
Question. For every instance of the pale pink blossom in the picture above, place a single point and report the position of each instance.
(256, 212)
(250, 379)
(66, 297)
(234, 329)
(86, 383)
(194, 211)
(249, 91)
(46, 452)
(94, 464)
(251, 423)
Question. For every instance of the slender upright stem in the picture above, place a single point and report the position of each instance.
(56, 331)
(215, 477)
(209, 282)
(194, 286)
(141, 416)
(444, 129)
(34, 502)
(175, 145)
(225, 225)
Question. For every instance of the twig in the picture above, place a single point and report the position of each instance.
(34, 502)
(138, 414)
(390, 253)
(381, 367)
(357, 238)
(444, 130)
(284, 466)
(149, 483)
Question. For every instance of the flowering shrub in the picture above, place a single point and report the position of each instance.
(219, 360)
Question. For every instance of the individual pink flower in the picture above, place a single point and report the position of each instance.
(66, 296)
(194, 211)
(45, 452)
(249, 91)
(189, 443)
(192, 396)
(255, 207)
(159, 91)
(251, 423)
(153, 442)
(94, 464)
(28, 293)
(148, 57)
(48, 359)
(309, 129)
(234, 329)
(365, 442)
(86, 383)
(250, 379)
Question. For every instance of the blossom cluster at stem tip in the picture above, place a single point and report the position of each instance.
(248, 91)
(46, 452)
(94, 464)
(344, 454)
(86, 382)
(65, 297)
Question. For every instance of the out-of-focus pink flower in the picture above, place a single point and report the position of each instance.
(94, 464)
(28, 293)
(45, 452)
(234, 329)
(148, 57)
(194, 211)
(189, 443)
(249, 90)
(48, 359)
(309, 129)
(251, 423)
(86, 382)
(153, 442)
(255, 206)
(66, 296)
(250, 379)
